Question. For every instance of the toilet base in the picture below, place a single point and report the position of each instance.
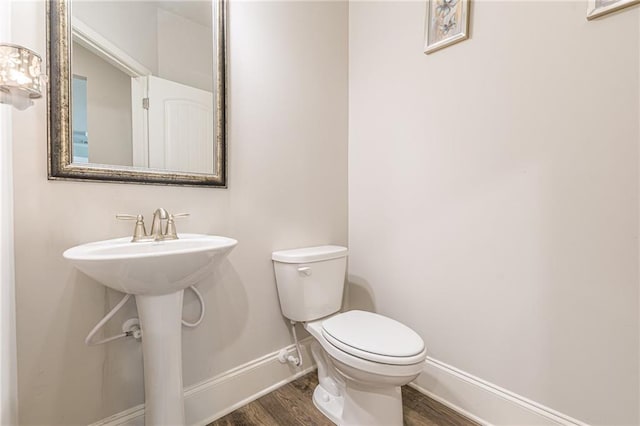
(348, 397)
(329, 405)
(362, 407)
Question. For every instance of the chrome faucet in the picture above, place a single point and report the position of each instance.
(156, 225)
(157, 232)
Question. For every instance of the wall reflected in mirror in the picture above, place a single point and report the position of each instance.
(143, 84)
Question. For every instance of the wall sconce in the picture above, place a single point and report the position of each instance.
(20, 76)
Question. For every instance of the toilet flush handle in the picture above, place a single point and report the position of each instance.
(304, 271)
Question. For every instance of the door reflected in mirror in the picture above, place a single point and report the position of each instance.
(143, 85)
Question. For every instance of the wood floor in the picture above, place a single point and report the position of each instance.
(292, 405)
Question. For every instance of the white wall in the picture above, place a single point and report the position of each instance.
(132, 28)
(287, 188)
(493, 195)
(178, 64)
(8, 361)
(108, 108)
(171, 46)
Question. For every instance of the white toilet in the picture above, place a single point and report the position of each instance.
(363, 358)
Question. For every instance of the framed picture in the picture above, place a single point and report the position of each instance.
(598, 8)
(447, 23)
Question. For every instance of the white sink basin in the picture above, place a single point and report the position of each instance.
(151, 268)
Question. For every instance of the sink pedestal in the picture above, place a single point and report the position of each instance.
(161, 325)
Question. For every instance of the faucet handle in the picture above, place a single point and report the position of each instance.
(171, 233)
(139, 232)
(126, 216)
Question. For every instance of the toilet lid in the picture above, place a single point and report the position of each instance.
(374, 337)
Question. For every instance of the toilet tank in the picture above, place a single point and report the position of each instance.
(310, 281)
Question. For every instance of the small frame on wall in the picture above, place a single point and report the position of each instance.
(598, 8)
(447, 23)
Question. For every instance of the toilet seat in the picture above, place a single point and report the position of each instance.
(374, 338)
(392, 370)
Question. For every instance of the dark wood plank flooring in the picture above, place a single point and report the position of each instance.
(292, 405)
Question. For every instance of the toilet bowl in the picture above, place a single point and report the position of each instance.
(360, 381)
(363, 358)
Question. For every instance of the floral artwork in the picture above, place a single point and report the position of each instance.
(447, 23)
(598, 8)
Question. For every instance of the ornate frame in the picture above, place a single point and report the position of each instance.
(59, 114)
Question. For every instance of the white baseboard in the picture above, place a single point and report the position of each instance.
(471, 396)
(482, 401)
(220, 395)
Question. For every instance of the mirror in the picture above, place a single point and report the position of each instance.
(137, 91)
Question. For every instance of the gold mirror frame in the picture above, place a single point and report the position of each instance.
(59, 112)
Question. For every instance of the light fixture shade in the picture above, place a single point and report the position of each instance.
(20, 75)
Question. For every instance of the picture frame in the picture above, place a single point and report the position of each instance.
(447, 23)
(599, 8)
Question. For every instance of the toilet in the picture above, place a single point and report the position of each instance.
(363, 358)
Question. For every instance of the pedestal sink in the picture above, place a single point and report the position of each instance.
(156, 273)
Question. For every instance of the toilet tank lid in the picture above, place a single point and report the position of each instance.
(310, 254)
